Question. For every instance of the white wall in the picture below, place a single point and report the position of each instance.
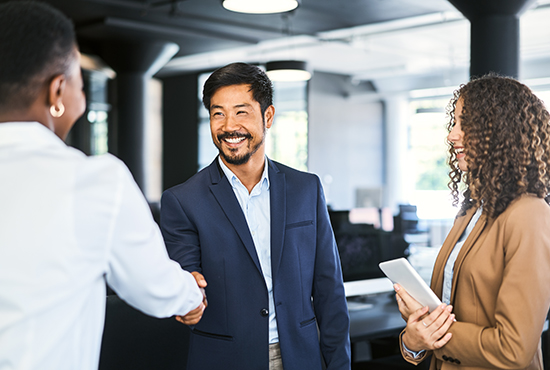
(346, 140)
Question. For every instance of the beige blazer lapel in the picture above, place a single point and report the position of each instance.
(476, 236)
(450, 241)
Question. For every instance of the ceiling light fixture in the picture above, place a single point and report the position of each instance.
(260, 6)
(287, 70)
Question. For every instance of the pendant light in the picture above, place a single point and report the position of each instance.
(287, 70)
(260, 6)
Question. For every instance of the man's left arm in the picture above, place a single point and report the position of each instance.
(329, 297)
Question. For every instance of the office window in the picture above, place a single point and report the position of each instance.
(97, 112)
(428, 155)
(427, 144)
(153, 141)
(545, 97)
(99, 131)
(286, 141)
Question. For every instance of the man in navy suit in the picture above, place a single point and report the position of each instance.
(258, 234)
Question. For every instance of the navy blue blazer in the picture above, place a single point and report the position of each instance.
(205, 230)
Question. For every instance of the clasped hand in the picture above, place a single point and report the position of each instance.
(424, 331)
(194, 316)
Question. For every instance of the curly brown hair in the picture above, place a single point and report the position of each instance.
(506, 142)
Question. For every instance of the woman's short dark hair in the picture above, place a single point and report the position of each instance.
(240, 74)
(506, 142)
(36, 43)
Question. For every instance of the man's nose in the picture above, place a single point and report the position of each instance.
(231, 124)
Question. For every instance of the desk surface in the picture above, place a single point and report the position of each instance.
(382, 319)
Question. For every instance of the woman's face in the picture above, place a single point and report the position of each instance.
(456, 136)
(74, 99)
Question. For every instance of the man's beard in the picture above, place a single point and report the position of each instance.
(244, 158)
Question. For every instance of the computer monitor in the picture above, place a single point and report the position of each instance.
(362, 247)
(360, 253)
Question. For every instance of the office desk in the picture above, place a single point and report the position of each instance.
(381, 319)
(380, 322)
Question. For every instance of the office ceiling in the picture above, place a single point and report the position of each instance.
(383, 41)
(203, 25)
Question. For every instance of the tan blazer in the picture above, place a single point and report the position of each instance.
(500, 291)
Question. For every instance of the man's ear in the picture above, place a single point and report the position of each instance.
(56, 90)
(269, 115)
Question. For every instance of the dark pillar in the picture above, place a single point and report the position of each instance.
(180, 134)
(494, 34)
(134, 63)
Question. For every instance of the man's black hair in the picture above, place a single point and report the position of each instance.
(240, 74)
(36, 44)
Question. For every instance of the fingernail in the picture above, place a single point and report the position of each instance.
(396, 287)
(449, 308)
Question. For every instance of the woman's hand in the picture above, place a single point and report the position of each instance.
(424, 331)
(428, 332)
(407, 304)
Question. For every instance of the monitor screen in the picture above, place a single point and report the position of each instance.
(362, 247)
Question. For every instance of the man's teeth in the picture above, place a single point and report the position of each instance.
(234, 140)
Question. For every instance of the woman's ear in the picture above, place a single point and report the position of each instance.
(55, 93)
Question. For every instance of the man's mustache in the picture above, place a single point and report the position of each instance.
(234, 134)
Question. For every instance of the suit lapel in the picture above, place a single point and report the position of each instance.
(277, 195)
(222, 191)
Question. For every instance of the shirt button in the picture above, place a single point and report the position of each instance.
(264, 312)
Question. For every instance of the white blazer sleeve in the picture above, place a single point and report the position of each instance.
(139, 269)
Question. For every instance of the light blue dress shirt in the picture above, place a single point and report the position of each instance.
(256, 209)
(450, 265)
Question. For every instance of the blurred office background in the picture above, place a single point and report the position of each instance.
(370, 122)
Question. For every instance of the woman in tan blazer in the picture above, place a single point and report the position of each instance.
(495, 281)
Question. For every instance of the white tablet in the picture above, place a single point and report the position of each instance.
(400, 271)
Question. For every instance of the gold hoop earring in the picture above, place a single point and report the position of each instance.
(57, 112)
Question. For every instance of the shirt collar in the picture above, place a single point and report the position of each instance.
(16, 133)
(233, 179)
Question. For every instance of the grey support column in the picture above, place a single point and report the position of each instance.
(135, 63)
(180, 128)
(494, 34)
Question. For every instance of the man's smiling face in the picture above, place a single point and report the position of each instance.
(237, 124)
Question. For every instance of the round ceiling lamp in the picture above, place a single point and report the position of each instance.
(260, 6)
(287, 70)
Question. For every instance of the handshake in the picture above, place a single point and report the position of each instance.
(194, 316)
